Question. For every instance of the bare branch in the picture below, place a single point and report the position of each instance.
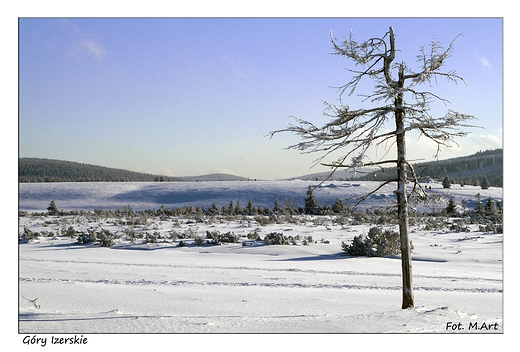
(421, 193)
(433, 62)
(371, 50)
(365, 164)
(33, 301)
(374, 191)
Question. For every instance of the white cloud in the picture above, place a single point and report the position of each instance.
(93, 47)
(66, 23)
(82, 44)
(424, 148)
(485, 62)
(489, 141)
(85, 48)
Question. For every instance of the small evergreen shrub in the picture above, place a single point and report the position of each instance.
(88, 237)
(106, 238)
(174, 236)
(52, 208)
(217, 238)
(28, 235)
(198, 241)
(459, 226)
(358, 248)
(338, 207)
(190, 233)
(212, 234)
(71, 232)
(485, 183)
(311, 204)
(130, 234)
(446, 183)
(451, 209)
(253, 236)
(377, 243)
(152, 238)
(229, 237)
(275, 238)
(490, 228)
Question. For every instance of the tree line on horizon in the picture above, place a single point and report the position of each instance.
(50, 170)
(466, 170)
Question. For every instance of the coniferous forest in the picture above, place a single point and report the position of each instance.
(49, 170)
(483, 166)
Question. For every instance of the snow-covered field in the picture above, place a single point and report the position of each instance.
(253, 288)
(148, 195)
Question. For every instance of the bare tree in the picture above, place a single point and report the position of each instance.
(358, 130)
(33, 301)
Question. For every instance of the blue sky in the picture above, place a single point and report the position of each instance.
(191, 96)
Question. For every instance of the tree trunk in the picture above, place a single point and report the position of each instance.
(402, 204)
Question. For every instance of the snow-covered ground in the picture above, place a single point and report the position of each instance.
(148, 195)
(254, 288)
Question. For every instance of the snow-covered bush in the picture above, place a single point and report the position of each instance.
(71, 232)
(279, 238)
(433, 224)
(212, 234)
(130, 234)
(174, 235)
(52, 208)
(253, 236)
(377, 243)
(446, 183)
(198, 240)
(28, 235)
(490, 228)
(106, 238)
(88, 237)
(275, 238)
(229, 237)
(459, 226)
(190, 233)
(152, 238)
(217, 238)
(264, 220)
(339, 207)
(359, 247)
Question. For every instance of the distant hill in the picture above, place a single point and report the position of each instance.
(468, 170)
(339, 175)
(50, 170)
(214, 177)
